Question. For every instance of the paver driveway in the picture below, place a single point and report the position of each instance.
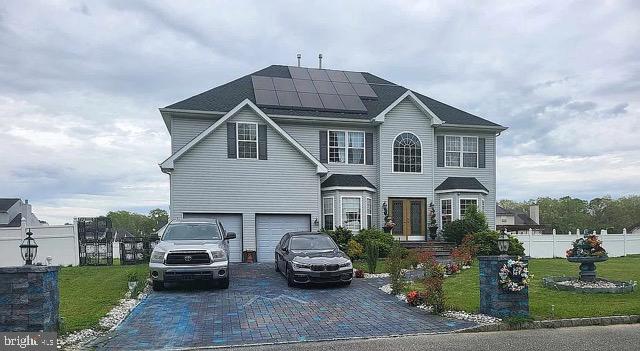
(258, 307)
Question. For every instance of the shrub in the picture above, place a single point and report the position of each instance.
(416, 298)
(359, 273)
(376, 235)
(464, 253)
(354, 249)
(373, 253)
(395, 263)
(341, 236)
(433, 286)
(472, 222)
(487, 244)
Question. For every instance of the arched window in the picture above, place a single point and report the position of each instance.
(407, 154)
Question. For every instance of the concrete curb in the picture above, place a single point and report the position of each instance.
(556, 323)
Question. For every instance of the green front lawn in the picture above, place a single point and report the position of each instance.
(381, 267)
(87, 293)
(463, 293)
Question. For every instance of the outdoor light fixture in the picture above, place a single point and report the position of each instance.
(28, 248)
(384, 208)
(315, 221)
(503, 242)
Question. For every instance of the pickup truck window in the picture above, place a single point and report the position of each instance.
(192, 231)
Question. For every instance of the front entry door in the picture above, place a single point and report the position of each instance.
(409, 216)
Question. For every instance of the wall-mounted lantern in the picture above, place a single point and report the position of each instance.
(29, 248)
(503, 242)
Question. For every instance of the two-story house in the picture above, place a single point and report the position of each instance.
(292, 148)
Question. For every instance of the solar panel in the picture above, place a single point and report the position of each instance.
(364, 90)
(310, 100)
(299, 73)
(352, 102)
(337, 76)
(344, 88)
(304, 86)
(324, 87)
(355, 77)
(318, 74)
(266, 97)
(264, 83)
(332, 102)
(284, 84)
(288, 98)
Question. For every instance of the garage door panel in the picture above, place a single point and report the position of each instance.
(231, 223)
(271, 227)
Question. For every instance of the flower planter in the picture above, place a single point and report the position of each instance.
(433, 232)
(587, 266)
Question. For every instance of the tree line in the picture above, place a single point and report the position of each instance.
(568, 214)
(138, 224)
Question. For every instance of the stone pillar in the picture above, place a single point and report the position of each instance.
(495, 301)
(29, 298)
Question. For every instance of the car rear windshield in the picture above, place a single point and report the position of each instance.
(311, 242)
(192, 231)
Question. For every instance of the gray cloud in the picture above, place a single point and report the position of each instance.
(81, 83)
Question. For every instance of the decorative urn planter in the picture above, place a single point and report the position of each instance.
(587, 266)
(433, 232)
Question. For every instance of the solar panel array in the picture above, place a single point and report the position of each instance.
(314, 89)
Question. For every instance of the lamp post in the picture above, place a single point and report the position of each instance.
(29, 248)
(503, 242)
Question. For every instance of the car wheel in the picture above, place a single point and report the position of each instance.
(346, 283)
(289, 275)
(277, 268)
(224, 283)
(158, 285)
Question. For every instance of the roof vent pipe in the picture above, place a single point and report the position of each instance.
(299, 57)
(320, 61)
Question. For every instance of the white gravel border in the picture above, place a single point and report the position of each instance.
(78, 339)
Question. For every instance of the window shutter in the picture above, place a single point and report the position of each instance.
(262, 141)
(324, 157)
(481, 153)
(440, 150)
(231, 140)
(368, 148)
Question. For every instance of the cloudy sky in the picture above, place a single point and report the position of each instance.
(81, 83)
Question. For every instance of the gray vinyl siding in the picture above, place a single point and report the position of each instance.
(405, 117)
(184, 129)
(204, 180)
(486, 176)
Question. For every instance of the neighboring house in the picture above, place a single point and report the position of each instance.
(635, 229)
(518, 222)
(291, 148)
(12, 210)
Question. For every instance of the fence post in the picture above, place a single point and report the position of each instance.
(23, 228)
(76, 243)
(578, 232)
(553, 245)
(530, 239)
(624, 246)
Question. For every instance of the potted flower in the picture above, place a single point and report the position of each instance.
(132, 280)
(433, 224)
(388, 225)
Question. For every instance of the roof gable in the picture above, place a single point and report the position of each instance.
(7, 203)
(168, 164)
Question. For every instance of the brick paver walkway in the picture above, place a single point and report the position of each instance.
(258, 307)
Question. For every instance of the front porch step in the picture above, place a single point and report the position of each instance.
(440, 248)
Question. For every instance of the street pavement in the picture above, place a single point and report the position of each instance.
(617, 337)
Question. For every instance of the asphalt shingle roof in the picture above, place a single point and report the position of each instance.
(6, 203)
(225, 97)
(470, 183)
(351, 180)
(15, 222)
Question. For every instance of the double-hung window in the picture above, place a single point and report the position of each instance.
(327, 212)
(346, 147)
(369, 212)
(461, 151)
(446, 211)
(465, 204)
(247, 140)
(351, 213)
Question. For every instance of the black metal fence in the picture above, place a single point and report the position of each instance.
(95, 241)
(137, 249)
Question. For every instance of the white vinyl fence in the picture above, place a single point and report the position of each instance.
(60, 242)
(555, 244)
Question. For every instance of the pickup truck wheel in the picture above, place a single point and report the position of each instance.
(224, 283)
(158, 285)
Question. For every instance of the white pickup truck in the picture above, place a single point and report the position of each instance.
(191, 250)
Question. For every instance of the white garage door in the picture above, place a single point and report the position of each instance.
(231, 223)
(271, 228)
